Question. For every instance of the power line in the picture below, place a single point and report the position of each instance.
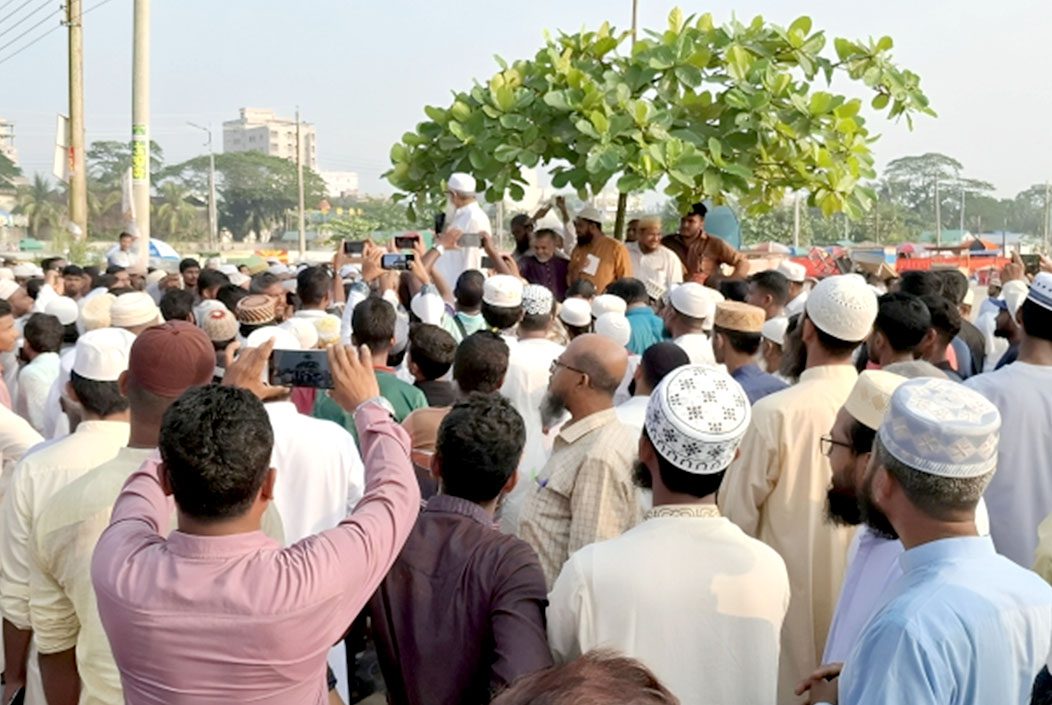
(30, 14)
(6, 4)
(14, 12)
(40, 37)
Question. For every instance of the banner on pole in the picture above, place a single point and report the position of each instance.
(140, 154)
(61, 164)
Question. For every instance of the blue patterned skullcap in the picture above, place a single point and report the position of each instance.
(941, 428)
(696, 418)
(1041, 290)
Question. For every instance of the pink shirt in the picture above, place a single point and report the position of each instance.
(224, 619)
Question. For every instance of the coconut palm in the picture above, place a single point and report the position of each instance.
(41, 204)
(174, 216)
(104, 213)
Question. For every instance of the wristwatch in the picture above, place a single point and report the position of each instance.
(439, 249)
(377, 401)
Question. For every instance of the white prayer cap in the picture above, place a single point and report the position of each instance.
(239, 279)
(576, 312)
(6, 274)
(95, 313)
(228, 269)
(696, 418)
(793, 271)
(502, 290)
(7, 288)
(591, 213)
(608, 303)
(537, 300)
(462, 183)
(869, 398)
(1041, 290)
(774, 329)
(428, 307)
(305, 331)
(213, 263)
(64, 309)
(843, 306)
(156, 276)
(278, 269)
(694, 300)
(1014, 294)
(615, 326)
(283, 339)
(102, 355)
(289, 285)
(328, 327)
(350, 271)
(134, 309)
(941, 428)
(23, 271)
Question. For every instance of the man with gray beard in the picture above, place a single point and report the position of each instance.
(585, 492)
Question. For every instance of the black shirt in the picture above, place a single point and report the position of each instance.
(438, 393)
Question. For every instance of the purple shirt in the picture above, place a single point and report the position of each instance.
(224, 619)
(551, 274)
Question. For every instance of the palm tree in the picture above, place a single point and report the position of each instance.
(103, 209)
(175, 216)
(41, 204)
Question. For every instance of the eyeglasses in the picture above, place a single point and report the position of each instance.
(556, 364)
(826, 443)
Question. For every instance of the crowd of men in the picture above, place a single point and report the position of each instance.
(584, 471)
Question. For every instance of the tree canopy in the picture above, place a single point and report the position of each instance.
(707, 110)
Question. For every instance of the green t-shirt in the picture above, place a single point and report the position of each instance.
(404, 399)
(472, 322)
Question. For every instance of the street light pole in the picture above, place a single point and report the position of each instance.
(213, 233)
(299, 188)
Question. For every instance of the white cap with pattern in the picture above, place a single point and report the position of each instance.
(869, 398)
(537, 300)
(844, 307)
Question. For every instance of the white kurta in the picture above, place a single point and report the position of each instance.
(529, 362)
(658, 270)
(1020, 494)
(469, 219)
(776, 491)
(34, 384)
(796, 306)
(693, 598)
(698, 347)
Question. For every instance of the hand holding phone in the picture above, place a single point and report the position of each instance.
(353, 247)
(470, 240)
(300, 368)
(398, 262)
(406, 242)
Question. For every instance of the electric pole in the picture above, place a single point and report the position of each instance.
(141, 126)
(213, 220)
(938, 216)
(78, 178)
(1048, 217)
(299, 186)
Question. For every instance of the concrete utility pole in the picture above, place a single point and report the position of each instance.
(938, 216)
(299, 186)
(141, 126)
(78, 178)
(1048, 218)
(213, 220)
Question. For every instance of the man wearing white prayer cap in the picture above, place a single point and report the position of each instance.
(135, 312)
(463, 216)
(691, 308)
(608, 303)
(773, 346)
(597, 258)
(647, 595)
(1020, 495)
(575, 314)
(101, 359)
(502, 305)
(796, 273)
(776, 490)
(525, 382)
(964, 624)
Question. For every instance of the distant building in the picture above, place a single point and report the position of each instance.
(339, 184)
(7, 140)
(260, 130)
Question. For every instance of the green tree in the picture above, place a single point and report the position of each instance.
(43, 205)
(174, 217)
(255, 191)
(709, 111)
(364, 216)
(107, 161)
(9, 171)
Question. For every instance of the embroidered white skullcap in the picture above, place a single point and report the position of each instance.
(590, 212)
(774, 329)
(608, 303)
(869, 398)
(1041, 290)
(502, 290)
(615, 326)
(941, 428)
(843, 306)
(95, 313)
(793, 271)
(576, 312)
(428, 307)
(102, 355)
(1014, 294)
(64, 309)
(283, 339)
(6, 274)
(537, 300)
(7, 288)
(305, 331)
(696, 418)
(462, 183)
(134, 309)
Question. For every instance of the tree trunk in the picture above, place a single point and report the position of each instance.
(619, 222)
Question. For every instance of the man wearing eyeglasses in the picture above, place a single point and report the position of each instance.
(585, 492)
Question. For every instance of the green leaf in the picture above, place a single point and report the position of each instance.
(848, 109)
(675, 20)
(599, 122)
(802, 25)
(460, 111)
(437, 114)
(885, 43)
(689, 76)
(715, 149)
(820, 104)
(557, 100)
(630, 182)
(511, 121)
(739, 60)
(398, 152)
(880, 101)
(712, 182)
(844, 48)
(506, 153)
(641, 112)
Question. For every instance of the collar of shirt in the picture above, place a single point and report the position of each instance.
(211, 547)
(310, 313)
(946, 550)
(571, 433)
(117, 428)
(829, 372)
(447, 504)
(750, 370)
(281, 408)
(48, 359)
(684, 511)
(640, 311)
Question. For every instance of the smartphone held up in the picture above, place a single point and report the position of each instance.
(300, 368)
(398, 262)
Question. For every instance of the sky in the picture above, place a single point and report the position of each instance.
(362, 71)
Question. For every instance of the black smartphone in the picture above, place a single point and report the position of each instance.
(406, 242)
(440, 222)
(300, 368)
(353, 247)
(1032, 263)
(487, 262)
(470, 240)
(398, 261)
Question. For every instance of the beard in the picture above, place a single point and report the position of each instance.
(842, 507)
(552, 410)
(641, 476)
(873, 516)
